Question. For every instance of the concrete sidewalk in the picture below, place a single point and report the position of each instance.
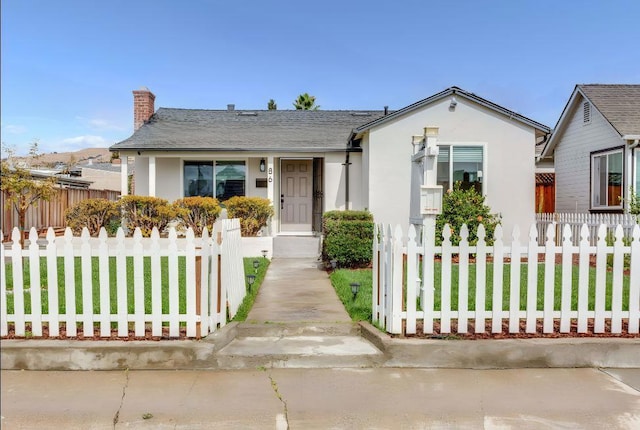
(298, 322)
(323, 398)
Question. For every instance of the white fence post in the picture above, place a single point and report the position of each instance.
(375, 276)
(514, 290)
(412, 280)
(463, 280)
(397, 287)
(35, 287)
(156, 284)
(104, 282)
(481, 280)
(634, 282)
(616, 295)
(445, 285)
(498, 267)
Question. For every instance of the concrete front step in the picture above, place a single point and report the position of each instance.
(281, 329)
(298, 352)
(297, 345)
(296, 247)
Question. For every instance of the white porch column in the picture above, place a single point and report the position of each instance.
(124, 176)
(152, 176)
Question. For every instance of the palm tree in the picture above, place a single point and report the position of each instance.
(305, 102)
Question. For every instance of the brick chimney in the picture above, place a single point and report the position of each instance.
(142, 106)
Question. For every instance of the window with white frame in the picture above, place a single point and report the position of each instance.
(229, 178)
(461, 163)
(607, 169)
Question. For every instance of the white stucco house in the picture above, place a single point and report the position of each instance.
(595, 148)
(310, 162)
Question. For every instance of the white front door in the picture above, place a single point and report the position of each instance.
(296, 196)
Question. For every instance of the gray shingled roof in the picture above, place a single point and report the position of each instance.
(261, 130)
(619, 104)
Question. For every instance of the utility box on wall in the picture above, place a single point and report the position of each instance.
(431, 200)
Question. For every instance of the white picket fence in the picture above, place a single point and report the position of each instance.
(405, 291)
(575, 221)
(213, 285)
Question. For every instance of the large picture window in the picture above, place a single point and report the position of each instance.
(606, 180)
(460, 164)
(198, 178)
(230, 179)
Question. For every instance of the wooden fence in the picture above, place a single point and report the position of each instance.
(51, 213)
(121, 287)
(575, 221)
(545, 288)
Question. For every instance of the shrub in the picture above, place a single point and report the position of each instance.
(254, 212)
(197, 213)
(461, 206)
(146, 213)
(93, 214)
(348, 237)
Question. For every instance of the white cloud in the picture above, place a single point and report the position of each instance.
(83, 142)
(100, 124)
(14, 129)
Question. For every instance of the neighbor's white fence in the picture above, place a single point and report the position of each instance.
(575, 221)
(398, 282)
(213, 278)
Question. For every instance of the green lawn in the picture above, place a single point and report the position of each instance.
(248, 264)
(360, 308)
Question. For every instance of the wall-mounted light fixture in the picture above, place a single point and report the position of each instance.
(453, 103)
(263, 165)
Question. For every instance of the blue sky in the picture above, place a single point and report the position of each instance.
(68, 67)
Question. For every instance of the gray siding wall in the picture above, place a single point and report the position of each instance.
(573, 157)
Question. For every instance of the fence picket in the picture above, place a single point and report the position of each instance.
(481, 280)
(375, 273)
(601, 278)
(428, 274)
(634, 282)
(53, 297)
(104, 282)
(396, 293)
(190, 276)
(463, 280)
(4, 323)
(87, 287)
(35, 287)
(514, 290)
(616, 294)
(138, 284)
(412, 280)
(445, 287)
(388, 310)
(174, 294)
(583, 279)
(121, 285)
(532, 280)
(69, 285)
(156, 284)
(565, 297)
(498, 266)
(205, 258)
(549, 279)
(18, 283)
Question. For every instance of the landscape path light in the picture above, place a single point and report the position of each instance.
(334, 264)
(251, 279)
(355, 286)
(256, 264)
(264, 253)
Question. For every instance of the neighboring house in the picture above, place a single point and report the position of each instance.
(309, 162)
(104, 176)
(595, 149)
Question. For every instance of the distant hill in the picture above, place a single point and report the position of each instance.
(97, 155)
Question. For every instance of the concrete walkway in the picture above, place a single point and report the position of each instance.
(298, 321)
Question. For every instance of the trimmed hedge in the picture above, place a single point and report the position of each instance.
(348, 237)
(146, 213)
(254, 213)
(197, 213)
(93, 214)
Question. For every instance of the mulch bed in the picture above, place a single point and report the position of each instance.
(521, 334)
(96, 335)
